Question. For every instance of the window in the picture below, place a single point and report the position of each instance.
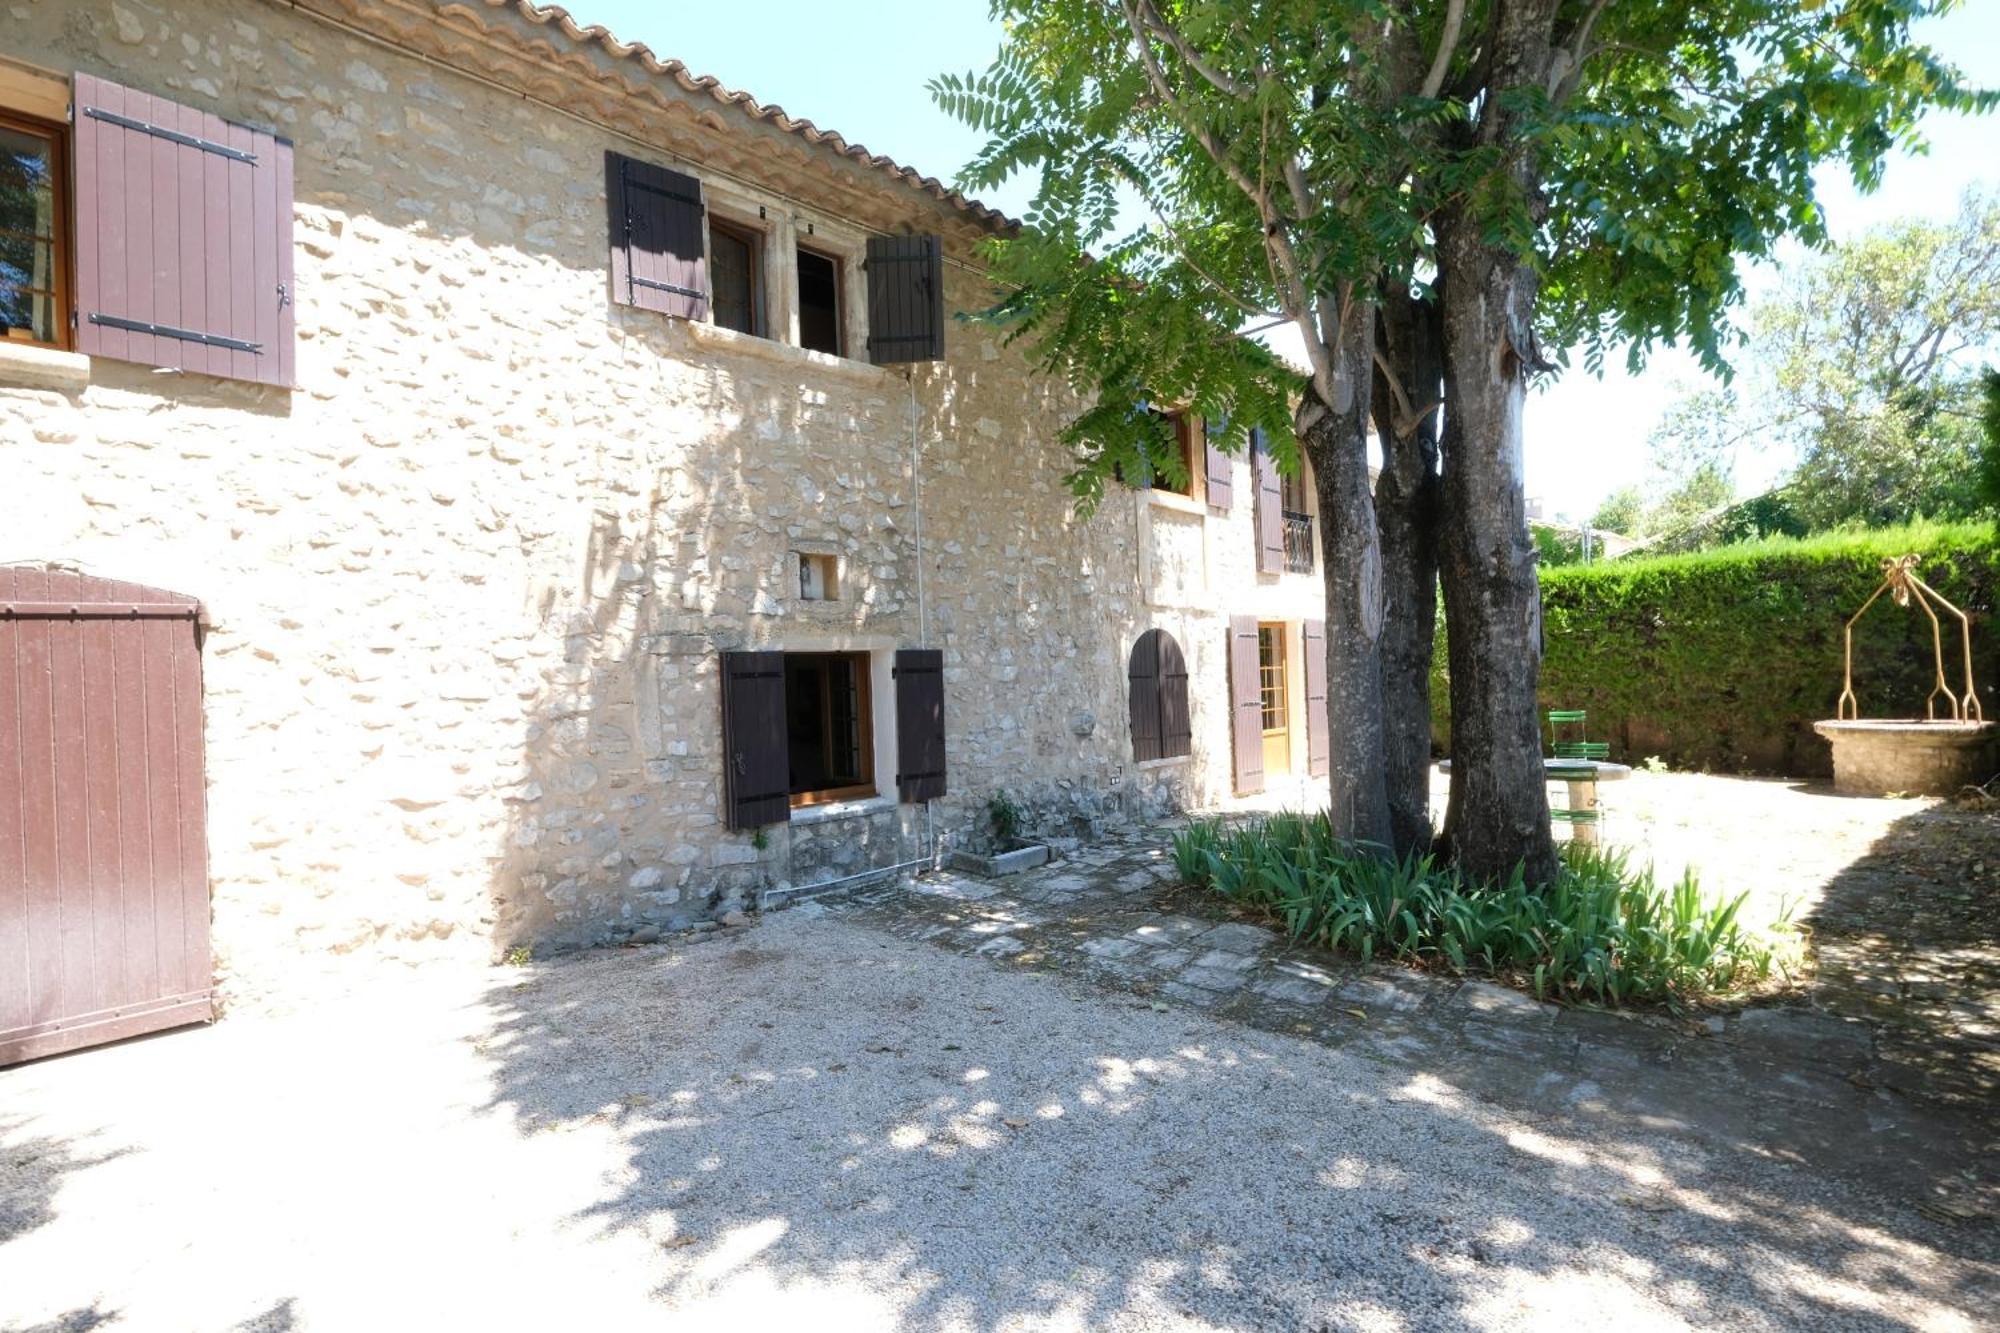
(1271, 675)
(819, 303)
(829, 732)
(34, 296)
(1182, 431)
(736, 277)
(1158, 683)
(819, 578)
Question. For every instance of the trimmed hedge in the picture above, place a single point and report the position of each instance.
(1722, 660)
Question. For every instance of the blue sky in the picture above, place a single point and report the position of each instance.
(860, 68)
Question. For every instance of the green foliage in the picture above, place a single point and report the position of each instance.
(1989, 445)
(1621, 511)
(1006, 819)
(1556, 546)
(1723, 659)
(1862, 367)
(1598, 932)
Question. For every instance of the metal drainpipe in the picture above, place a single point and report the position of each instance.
(923, 623)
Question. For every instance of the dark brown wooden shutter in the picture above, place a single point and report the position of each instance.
(756, 772)
(1270, 508)
(1246, 705)
(1176, 728)
(905, 299)
(183, 237)
(1142, 680)
(919, 724)
(1221, 475)
(658, 259)
(1319, 751)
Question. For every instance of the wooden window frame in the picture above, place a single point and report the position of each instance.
(864, 670)
(63, 248)
(1274, 677)
(834, 262)
(758, 242)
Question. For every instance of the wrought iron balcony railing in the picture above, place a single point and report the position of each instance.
(1298, 542)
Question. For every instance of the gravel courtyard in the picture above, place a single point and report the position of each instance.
(814, 1123)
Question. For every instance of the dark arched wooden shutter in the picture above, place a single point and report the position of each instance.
(183, 237)
(905, 299)
(1246, 705)
(919, 724)
(1270, 507)
(1176, 730)
(1142, 682)
(756, 772)
(1319, 749)
(658, 258)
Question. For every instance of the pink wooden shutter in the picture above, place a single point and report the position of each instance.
(1319, 751)
(659, 260)
(1221, 474)
(1176, 728)
(1270, 508)
(183, 237)
(1246, 705)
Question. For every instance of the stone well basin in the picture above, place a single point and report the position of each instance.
(1874, 756)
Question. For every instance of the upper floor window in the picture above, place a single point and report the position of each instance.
(819, 302)
(736, 275)
(33, 236)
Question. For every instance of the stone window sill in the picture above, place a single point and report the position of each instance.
(1178, 503)
(716, 338)
(1171, 761)
(821, 814)
(24, 365)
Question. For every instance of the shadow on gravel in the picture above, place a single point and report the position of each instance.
(32, 1170)
(878, 1137)
(1908, 938)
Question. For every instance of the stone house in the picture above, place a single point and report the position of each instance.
(601, 517)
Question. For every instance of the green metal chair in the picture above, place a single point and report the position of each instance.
(1566, 742)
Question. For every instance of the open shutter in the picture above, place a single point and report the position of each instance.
(905, 299)
(1176, 729)
(1142, 680)
(183, 237)
(1319, 751)
(1246, 705)
(919, 724)
(658, 259)
(1270, 508)
(1221, 475)
(756, 772)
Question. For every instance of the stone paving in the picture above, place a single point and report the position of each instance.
(1793, 1081)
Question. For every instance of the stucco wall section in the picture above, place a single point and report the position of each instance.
(469, 581)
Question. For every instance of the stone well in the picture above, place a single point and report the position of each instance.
(1874, 756)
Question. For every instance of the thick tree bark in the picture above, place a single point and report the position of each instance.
(1410, 340)
(1499, 809)
(1334, 436)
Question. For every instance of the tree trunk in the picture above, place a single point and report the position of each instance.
(1410, 338)
(1334, 436)
(1499, 815)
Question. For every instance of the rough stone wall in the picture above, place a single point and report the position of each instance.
(468, 582)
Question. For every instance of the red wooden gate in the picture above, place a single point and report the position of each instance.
(103, 832)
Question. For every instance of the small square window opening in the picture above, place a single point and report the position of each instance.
(819, 578)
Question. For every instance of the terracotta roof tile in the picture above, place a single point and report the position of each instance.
(637, 52)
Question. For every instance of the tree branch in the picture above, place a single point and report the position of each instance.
(1151, 17)
(1454, 19)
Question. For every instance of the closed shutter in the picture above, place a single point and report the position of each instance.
(183, 237)
(919, 724)
(1176, 730)
(756, 773)
(905, 299)
(1319, 749)
(1142, 680)
(1221, 475)
(1270, 508)
(1246, 705)
(658, 260)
